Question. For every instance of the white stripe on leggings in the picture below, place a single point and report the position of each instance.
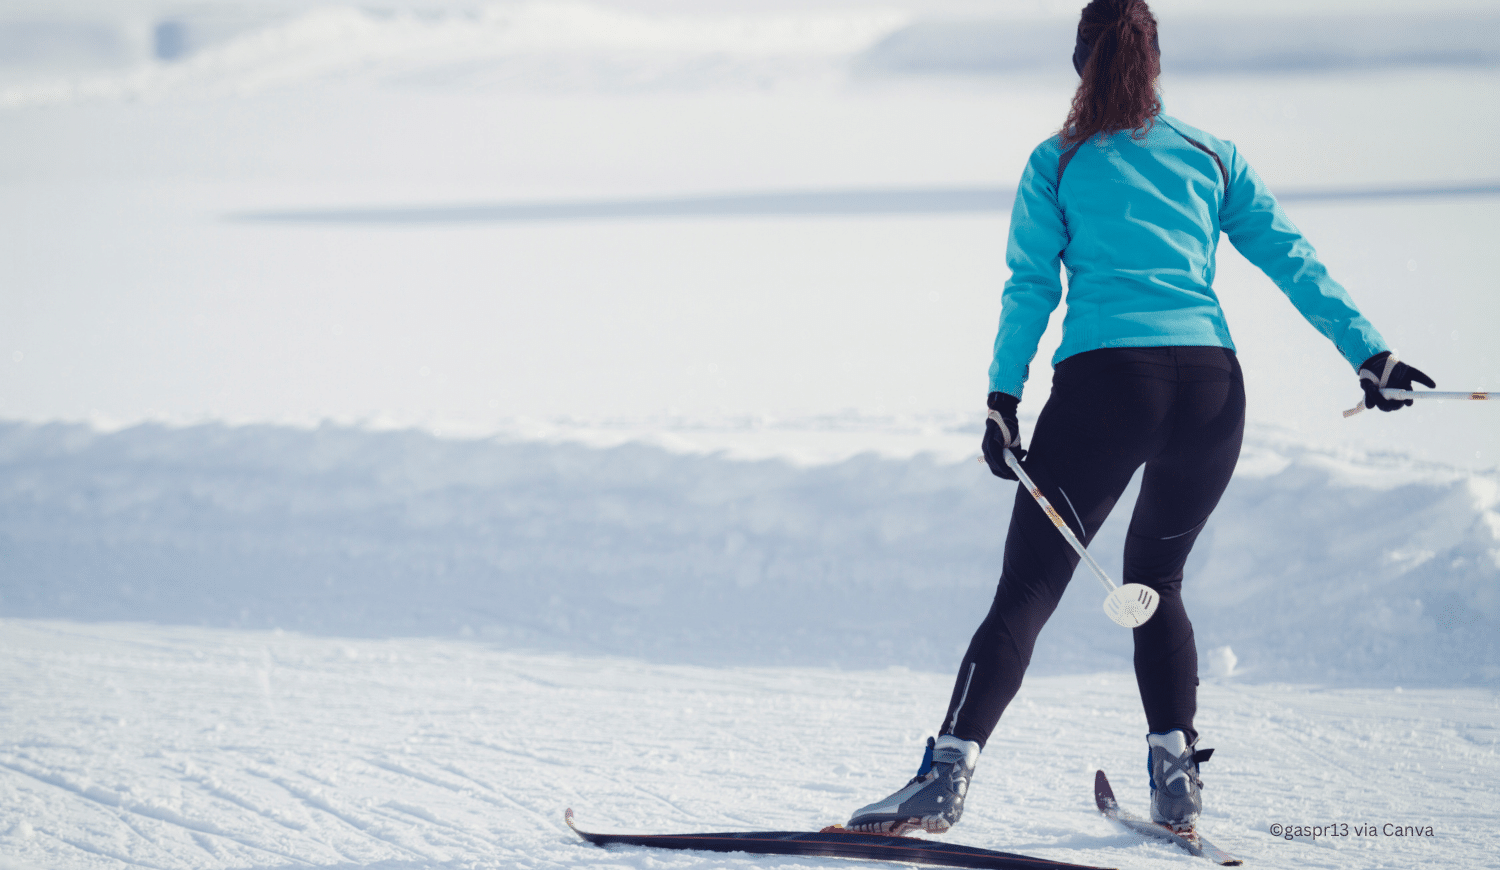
(953, 723)
(1081, 530)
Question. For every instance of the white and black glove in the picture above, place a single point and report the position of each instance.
(1002, 433)
(1384, 371)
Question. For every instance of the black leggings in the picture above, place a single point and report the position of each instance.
(1180, 411)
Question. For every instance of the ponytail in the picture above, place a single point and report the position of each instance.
(1118, 61)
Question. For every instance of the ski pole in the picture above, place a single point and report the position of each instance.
(1477, 396)
(1129, 605)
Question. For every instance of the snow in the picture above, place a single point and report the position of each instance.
(129, 745)
(469, 326)
(264, 646)
(378, 543)
(595, 541)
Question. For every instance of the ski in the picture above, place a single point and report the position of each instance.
(833, 842)
(1194, 842)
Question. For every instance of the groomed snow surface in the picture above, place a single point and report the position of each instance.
(133, 746)
(378, 542)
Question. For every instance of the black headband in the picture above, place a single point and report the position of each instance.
(1082, 48)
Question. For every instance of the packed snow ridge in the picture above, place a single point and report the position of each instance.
(1317, 567)
(150, 50)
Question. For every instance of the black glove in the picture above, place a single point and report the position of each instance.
(1006, 433)
(1384, 371)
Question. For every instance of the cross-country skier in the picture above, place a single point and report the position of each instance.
(1131, 203)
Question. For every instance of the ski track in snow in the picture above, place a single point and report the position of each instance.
(169, 747)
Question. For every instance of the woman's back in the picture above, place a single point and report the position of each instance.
(1133, 217)
(1141, 226)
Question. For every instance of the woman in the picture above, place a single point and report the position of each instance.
(1131, 203)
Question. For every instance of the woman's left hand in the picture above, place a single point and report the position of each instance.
(1385, 371)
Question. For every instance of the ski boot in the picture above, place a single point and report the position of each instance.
(933, 800)
(1176, 790)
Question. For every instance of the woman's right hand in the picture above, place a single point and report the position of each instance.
(1002, 433)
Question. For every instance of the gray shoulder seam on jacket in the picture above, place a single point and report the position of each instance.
(1062, 163)
(1223, 172)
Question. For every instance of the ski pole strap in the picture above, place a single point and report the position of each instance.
(1385, 375)
(1011, 438)
(1379, 380)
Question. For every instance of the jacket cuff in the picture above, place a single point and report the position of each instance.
(1005, 403)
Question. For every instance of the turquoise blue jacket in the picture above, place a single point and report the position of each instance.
(1136, 225)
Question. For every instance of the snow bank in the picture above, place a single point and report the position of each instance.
(154, 50)
(1317, 567)
(1199, 45)
(534, 46)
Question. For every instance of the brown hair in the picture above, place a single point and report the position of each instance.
(1118, 87)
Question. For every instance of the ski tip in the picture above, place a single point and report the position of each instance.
(1104, 796)
(573, 823)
